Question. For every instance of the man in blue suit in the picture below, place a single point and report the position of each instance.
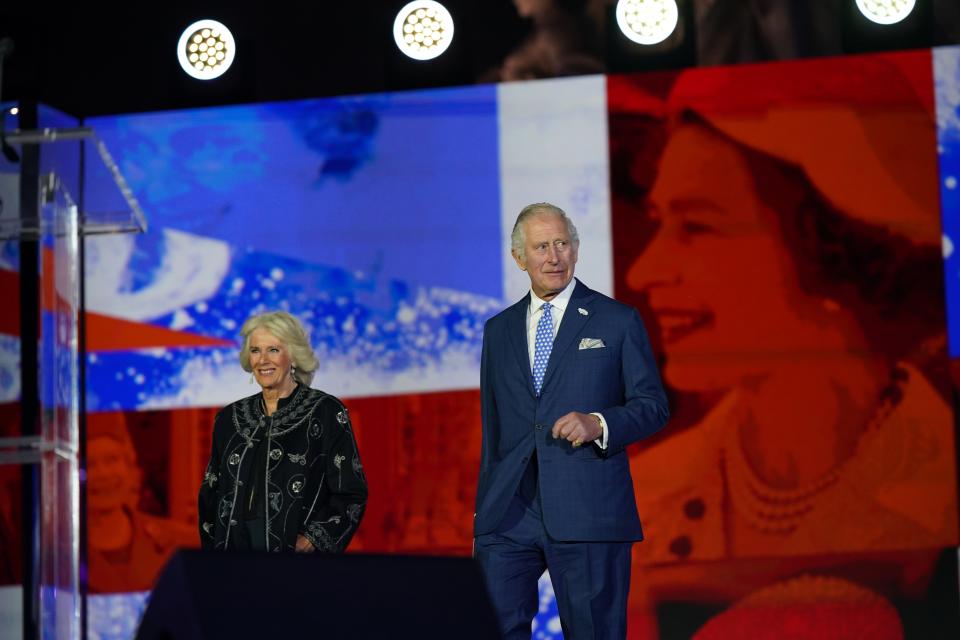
(567, 381)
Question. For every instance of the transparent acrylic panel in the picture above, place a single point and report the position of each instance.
(109, 204)
(60, 418)
(11, 535)
(60, 158)
(10, 418)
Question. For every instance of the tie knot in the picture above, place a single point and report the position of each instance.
(546, 307)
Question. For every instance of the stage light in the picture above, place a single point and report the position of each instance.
(423, 29)
(206, 49)
(647, 21)
(14, 111)
(886, 11)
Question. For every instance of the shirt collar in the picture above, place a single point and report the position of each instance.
(559, 302)
(281, 402)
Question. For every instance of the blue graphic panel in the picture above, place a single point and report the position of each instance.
(115, 616)
(406, 184)
(372, 334)
(375, 220)
(947, 78)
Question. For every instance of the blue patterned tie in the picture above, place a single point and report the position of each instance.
(544, 344)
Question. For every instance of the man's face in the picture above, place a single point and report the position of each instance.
(549, 255)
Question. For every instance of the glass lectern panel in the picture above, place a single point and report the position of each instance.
(57, 227)
(59, 419)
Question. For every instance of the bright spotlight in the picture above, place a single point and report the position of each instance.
(647, 21)
(886, 11)
(423, 29)
(206, 49)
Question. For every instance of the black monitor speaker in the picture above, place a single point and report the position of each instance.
(252, 595)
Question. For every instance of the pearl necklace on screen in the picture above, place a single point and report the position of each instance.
(780, 511)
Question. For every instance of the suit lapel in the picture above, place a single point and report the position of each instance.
(517, 330)
(570, 327)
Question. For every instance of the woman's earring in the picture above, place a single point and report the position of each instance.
(250, 381)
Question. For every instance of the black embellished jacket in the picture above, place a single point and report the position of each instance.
(272, 478)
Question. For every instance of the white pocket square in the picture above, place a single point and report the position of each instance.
(592, 343)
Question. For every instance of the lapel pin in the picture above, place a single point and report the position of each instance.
(583, 311)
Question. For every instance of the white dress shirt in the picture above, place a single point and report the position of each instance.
(558, 307)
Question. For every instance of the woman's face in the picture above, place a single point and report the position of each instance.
(270, 360)
(112, 478)
(717, 273)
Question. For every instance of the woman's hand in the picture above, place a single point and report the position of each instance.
(304, 545)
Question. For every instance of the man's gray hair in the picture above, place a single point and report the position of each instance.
(518, 238)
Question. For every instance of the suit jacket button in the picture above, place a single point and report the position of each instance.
(539, 427)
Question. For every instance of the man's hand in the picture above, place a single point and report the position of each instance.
(577, 428)
(304, 545)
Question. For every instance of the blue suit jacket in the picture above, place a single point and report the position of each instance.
(586, 493)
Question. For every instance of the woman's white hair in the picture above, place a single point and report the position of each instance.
(518, 238)
(291, 333)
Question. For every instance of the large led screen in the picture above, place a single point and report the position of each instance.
(779, 227)
(786, 231)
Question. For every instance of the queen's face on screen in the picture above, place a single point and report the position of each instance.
(112, 477)
(718, 274)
